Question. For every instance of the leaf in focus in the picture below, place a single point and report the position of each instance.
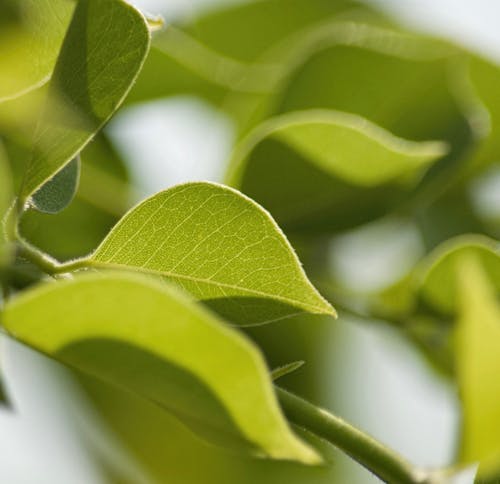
(30, 43)
(101, 55)
(218, 245)
(142, 335)
(322, 170)
(56, 194)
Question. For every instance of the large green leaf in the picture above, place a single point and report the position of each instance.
(102, 53)
(220, 246)
(463, 281)
(326, 170)
(143, 335)
(30, 43)
(219, 52)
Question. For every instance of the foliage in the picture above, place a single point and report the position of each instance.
(342, 119)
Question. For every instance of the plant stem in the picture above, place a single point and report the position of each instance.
(378, 459)
(48, 264)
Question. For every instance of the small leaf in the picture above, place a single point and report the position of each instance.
(327, 170)
(141, 334)
(218, 245)
(286, 369)
(58, 192)
(103, 196)
(102, 54)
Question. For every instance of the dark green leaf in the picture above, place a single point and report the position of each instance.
(56, 194)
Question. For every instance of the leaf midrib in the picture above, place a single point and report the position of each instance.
(256, 292)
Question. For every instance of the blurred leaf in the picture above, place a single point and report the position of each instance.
(478, 363)
(286, 369)
(218, 245)
(484, 78)
(165, 448)
(102, 53)
(30, 43)
(437, 277)
(57, 193)
(464, 280)
(219, 51)
(324, 170)
(211, 377)
(231, 30)
(5, 201)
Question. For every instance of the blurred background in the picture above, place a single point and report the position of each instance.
(364, 370)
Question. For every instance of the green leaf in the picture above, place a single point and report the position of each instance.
(56, 194)
(327, 170)
(5, 201)
(30, 43)
(463, 280)
(218, 245)
(437, 275)
(284, 370)
(103, 196)
(141, 334)
(219, 52)
(478, 364)
(102, 54)
(484, 78)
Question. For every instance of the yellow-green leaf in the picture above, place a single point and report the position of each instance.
(218, 245)
(463, 281)
(29, 44)
(141, 334)
(325, 170)
(101, 55)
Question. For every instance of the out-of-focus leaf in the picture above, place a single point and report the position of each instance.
(164, 447)
(438, 279)
(324, 170)
(218, 245)
(30, 43)
(464, 280)
(286, 369)
(478, 365)
(5, 201)
(484, 79)
(101, 55)
(219, 52)
(408, 92)
(56, 194)
(231, 31)
(143, 335)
